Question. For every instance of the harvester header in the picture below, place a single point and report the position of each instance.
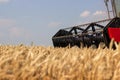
(92, 33)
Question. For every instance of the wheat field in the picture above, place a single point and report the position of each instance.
(21, 62)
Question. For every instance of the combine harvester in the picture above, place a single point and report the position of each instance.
(92, 33)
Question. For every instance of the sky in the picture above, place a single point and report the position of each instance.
(27, 21)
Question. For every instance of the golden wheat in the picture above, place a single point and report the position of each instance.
(48, 63)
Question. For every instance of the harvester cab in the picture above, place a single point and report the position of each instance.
(92, 33)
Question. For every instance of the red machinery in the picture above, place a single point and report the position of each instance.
(91, 33)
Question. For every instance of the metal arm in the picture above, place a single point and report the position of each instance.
(106, 4)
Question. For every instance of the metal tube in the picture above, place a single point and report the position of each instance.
(113, 8)
(106, 3)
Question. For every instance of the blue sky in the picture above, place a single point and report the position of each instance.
(26, 21)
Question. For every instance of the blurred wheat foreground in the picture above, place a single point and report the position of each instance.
(22, 62)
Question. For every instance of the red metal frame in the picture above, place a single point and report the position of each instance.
(114, 33)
